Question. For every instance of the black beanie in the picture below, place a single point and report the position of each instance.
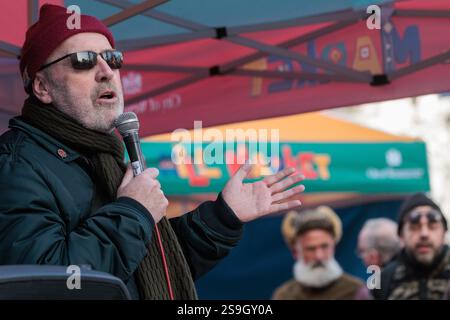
(414, 201)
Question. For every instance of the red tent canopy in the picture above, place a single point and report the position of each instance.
(316, 63)
(243, 71)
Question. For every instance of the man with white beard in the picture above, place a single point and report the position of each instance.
(312, 236)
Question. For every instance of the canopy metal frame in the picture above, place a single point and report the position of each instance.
(332, 72)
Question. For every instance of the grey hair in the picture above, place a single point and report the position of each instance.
(382, 236)
(48, 75)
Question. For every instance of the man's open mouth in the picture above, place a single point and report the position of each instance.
(107, 95)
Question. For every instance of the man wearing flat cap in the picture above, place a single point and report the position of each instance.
(422, 269)
(312, 236)
(66, 196)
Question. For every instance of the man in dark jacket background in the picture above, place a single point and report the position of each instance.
(66, 197)
(422, 269)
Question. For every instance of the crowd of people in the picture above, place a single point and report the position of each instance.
(411, 253)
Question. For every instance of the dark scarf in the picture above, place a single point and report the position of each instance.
(106, 153)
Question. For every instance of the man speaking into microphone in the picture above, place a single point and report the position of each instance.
(66, 196)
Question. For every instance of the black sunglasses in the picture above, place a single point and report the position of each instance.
(86, 60)
(433, 216)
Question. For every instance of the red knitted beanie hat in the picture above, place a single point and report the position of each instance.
(48, 33)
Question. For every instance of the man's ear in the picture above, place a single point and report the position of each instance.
(40, 87)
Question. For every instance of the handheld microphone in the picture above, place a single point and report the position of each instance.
(128, 125)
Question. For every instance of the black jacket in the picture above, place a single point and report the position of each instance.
(406, 279)
(48, 215)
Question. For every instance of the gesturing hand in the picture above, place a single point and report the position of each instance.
(253, 200)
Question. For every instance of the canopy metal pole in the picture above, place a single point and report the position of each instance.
(191, 25)
(9, 49)
(149, 42)
(33, 11)
(350, 73)
(233, 65)
(293, 75)
(165, 68)
(420, 65)
(202, 31)
(288, 44)
(422, 13)
(239, 72)
(328, 66)
(303, 21)
(132, 11)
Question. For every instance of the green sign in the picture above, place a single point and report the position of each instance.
(398, 167)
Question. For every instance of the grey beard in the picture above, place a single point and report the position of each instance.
(318, 277)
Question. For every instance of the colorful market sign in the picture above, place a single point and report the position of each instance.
(397, 167)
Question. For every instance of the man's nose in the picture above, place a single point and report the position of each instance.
(319, 255)
(104, 71)
(424, 231)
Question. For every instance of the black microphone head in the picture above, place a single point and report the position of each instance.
(127, 123)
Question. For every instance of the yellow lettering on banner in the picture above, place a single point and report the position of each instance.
(366, 58)
(260, 166)
(322, 161)
(257, 82)
(204, 170)
(181, 156)
(182, 170)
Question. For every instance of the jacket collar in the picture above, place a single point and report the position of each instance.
(62, 151)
